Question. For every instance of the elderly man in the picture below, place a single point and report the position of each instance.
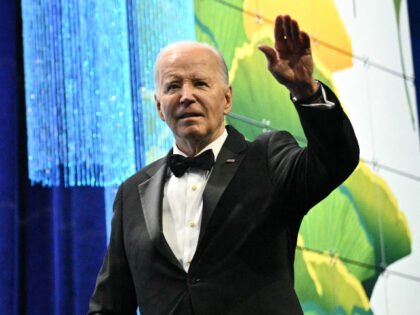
(212, 227)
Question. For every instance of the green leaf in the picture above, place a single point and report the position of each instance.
(325, 281)
(378, 209)
(334, 226)
(220, 25)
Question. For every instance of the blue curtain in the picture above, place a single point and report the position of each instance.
(9, 186)
(52, 241)
(61, 246)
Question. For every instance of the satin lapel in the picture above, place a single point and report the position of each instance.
(151, 194)
(227, 163)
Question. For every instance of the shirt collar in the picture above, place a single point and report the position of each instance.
(216, 146)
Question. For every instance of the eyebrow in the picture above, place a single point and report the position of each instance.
(195, 77)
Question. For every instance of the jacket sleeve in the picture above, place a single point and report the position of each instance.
(307, 175)
(114, 291)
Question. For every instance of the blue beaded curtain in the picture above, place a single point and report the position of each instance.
(89, 86)
(78, 95)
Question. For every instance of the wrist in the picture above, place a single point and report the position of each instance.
(315, 98)
(305, 91)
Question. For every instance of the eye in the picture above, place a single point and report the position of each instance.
(200, 83)
(171, 86)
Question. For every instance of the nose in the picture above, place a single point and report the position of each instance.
(187, 95)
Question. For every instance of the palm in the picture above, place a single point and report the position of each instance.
(290, 61)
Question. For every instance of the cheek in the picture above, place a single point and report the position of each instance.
(216, 118)
(165, 110)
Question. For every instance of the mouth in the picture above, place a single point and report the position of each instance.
(189, 115)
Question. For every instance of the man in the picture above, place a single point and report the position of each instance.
(221, 240)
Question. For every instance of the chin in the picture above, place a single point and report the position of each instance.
(187, 128)
(193, 135)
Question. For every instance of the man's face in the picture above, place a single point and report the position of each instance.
(191, 96)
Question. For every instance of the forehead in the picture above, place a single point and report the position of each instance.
(190, 61)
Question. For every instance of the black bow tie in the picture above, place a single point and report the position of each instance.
(179, 164)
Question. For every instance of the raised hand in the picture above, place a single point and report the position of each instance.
(290, 61)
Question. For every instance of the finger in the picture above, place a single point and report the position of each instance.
(305, 40)
(279, 35)
(288, 32)
(295, 32)
(269, 53)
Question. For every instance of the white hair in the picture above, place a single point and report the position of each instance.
(224, 73)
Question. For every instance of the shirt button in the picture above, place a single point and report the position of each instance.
(194, 188)
(189, 260)
(192, 224)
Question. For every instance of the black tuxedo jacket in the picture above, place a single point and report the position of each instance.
(253, 204)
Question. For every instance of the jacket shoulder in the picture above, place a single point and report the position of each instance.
(145, 173)
(278, 137)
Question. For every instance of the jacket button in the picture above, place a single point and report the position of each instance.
(193, 280)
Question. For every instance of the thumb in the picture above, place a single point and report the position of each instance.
(269, 53)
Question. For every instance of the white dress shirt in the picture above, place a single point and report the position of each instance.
(183, 206)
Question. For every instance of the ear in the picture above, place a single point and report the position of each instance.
(228, 99)
(159, 107)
